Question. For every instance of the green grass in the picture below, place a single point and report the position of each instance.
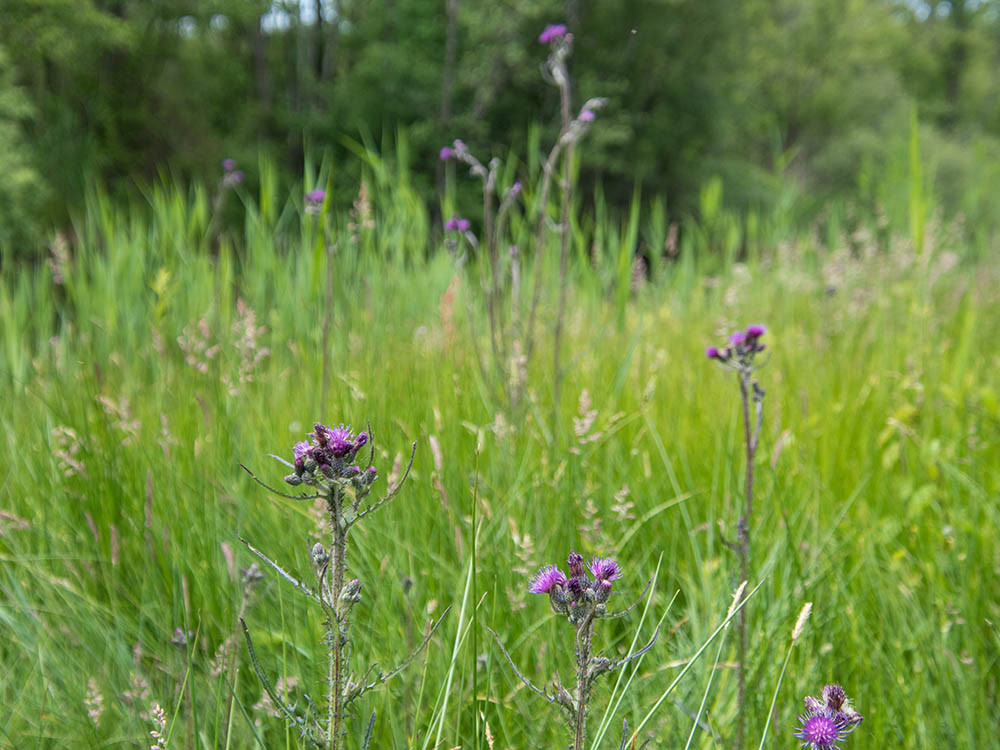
(877, 495)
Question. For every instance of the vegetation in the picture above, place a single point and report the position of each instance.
(141, 367)
(790, 104)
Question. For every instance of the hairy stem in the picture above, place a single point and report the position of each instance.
(743, 540)
(583, 639)
(336, 628)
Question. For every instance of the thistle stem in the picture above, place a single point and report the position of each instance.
(743, 540)
(336, 627)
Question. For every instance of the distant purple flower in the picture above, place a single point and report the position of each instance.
(712, 352)
(587, 115)
(546, 580)
(821, 732)
(515, 189)
(756, 331)
(446, 153)
(605, 569)
(552, 32)
(457, 224)
(315, 197)
(737, 338)
(229, 164)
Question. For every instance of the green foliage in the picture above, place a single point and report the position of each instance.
(122, 494)
(785, 102)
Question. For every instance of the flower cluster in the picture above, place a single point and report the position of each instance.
(457, 224)
(579, 595)
(329, 457)
(827, 722)
(231, 175)
(742, 347)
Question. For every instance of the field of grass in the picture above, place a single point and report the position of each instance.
(141, 369)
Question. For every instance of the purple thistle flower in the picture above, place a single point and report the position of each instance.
(446, 153)
(300, 450)
(712, 352)
(737, 338)
(315, 197)
(605, 569)
(756, 330)
(341, 441)
(361, 440)
(587, 115)
(452, 224)
(229, 164)
(463, 225)
(320, 434)
(821, 732)
(552, 32)
(546, 580)
(515, 189)
(372, 473)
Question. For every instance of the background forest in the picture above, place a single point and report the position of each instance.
(788, 103)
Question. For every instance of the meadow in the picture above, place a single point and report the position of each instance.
(156, 353)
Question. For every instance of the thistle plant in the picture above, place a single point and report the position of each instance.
(582, 600)
(511, 340)
(326, 464)
(740, 355)
(827, 721)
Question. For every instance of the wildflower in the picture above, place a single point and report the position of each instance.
(829, 721)
(315, 197)
(229, 164)
(446, 153)
(515, 189)
(546, 580)
(552, 32)
(330, 456)
(587, 115)
(232, 178)
(820, 732)
(605, 569)
(742, 347)
(457, 224)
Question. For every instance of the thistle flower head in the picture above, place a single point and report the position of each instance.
(827, 722)
(741, 349)
(587, 115)
(330, 456)
(575, 564)
(547, 580)
(229, 164)
(552, 32)
(315, 196)
(446, 153)
(605, 569)
(820, 732)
